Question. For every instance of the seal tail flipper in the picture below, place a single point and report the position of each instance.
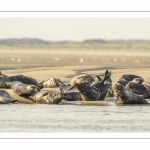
(107, 74)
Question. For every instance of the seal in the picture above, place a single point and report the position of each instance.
(126, 97)
(72, 96)
(22, 89)
(25, 80)
(51, 83)
(46, 97)
(3, 80)
(121, 81)
(5, 98)
(130, 77)
(91, 91)
(81, 78)
(139, 89)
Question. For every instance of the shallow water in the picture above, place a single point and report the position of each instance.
(73, 118)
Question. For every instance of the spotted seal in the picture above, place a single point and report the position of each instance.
(21, 88)
(51, 83)
(46, 97)
(130, 77)
(139, 89)
(91, 92)
(5, 98)
(126, 97)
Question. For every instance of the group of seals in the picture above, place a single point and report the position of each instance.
(130, 89)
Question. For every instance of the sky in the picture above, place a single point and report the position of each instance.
(75, 29)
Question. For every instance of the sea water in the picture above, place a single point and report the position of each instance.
(73, 118)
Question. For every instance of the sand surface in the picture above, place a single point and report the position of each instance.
(42, 65)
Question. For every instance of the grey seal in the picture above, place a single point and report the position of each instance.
(46, 97)
(126, 97)
(51, 83)
(21, 88)
(72, 96)
(5, 98)
(91, 92)
(81, 78)
(130, 77)
(139, 89)
(121, 81)
(25, 80)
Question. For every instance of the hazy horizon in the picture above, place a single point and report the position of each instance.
(75, 29)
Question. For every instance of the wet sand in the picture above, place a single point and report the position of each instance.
(64, 65)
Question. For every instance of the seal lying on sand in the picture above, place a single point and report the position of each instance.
(3, 80)
(91, 92)
(126, 97)
(5, 98)
(72, 96)
(46, 97)
(130, 77)
(21, 88)
(139, 89)
(25, 80)
(51, 83)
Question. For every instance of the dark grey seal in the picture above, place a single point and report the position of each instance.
(126, 97)
(121, 81)
(130, 77)
(46, 97)
(21, 88)
(91, 92)
(25, 80)
(72, 96)
(5, 98)
(51, 83)
(139, 89)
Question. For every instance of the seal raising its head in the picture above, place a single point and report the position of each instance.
(46, 97)
(21, 88)
(91, 92)
(139, 89)
(5, 98)
(126, 97)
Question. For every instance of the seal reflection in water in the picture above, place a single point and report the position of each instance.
(91, 92)
(46, 97)
(21, 88)
(139, 89)
(126, 97)
(5, 98)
